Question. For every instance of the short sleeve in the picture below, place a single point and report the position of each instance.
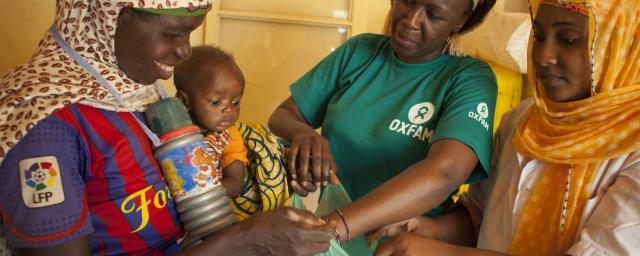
(468, 113)
(235, 150)
(313, 91)
(614, 226)
(42, 192)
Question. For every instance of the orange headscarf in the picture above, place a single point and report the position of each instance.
(574, 137)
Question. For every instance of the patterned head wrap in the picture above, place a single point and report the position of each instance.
(52, 79)
(574, 137)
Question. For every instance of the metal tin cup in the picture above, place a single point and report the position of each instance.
(187, 167)
(204, 214)
(193, 178)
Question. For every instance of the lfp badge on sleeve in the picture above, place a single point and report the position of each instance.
(40, 182)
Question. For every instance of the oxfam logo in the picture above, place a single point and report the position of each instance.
(421, 113)
(40, 175)
(483, 110)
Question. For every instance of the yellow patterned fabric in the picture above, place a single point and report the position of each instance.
(574, 137)
(266, 187)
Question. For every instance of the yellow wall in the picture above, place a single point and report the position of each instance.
(26, 21)
(23, 24)
(377, 10)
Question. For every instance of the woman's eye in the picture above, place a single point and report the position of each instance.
(570, 36)
(538, 37)
(569, 40)
(171, 34)
(434, 16)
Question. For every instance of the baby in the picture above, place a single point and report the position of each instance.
(211, 85)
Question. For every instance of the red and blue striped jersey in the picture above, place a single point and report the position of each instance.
(87, 171)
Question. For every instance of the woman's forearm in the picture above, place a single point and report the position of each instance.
(456, 227)
(287, 121)
(463, 251)
(416, 190)
(310, 162)
(413, 244)
(282, 231)
(228, 241)
(410, 194)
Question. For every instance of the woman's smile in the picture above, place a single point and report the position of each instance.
(167, 70)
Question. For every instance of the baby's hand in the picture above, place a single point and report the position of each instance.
(233, 178)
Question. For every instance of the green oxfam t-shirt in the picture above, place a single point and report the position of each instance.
(380, 114)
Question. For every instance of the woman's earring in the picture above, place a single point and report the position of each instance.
(454, 46)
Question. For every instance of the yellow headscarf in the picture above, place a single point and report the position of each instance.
(574, 137)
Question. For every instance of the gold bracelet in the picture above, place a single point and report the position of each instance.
(344, 222)
(336, 235)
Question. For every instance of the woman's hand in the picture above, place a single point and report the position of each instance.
(420, 225)
(286, 231)
(413, 244)
(310, 162)
(283, 231)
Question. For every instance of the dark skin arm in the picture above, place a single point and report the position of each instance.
(456, 227)
(413, 244)
(452, 232)
(233, 178)
(419, 188)
(290, 232)
(283, 231)
(308, 149)
(416, 190)
(76, 247)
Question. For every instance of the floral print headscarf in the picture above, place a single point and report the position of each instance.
(52, 79)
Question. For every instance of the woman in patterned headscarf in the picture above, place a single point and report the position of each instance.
(77, 173)
(567, 163)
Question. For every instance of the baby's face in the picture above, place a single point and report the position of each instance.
(216, 107)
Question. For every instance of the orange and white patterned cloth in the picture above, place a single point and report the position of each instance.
(226, 146)
(608, 220)
(579, 135)
(51, 79)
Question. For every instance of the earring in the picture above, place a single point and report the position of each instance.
(454, 46)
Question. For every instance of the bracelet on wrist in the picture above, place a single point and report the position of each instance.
(344, 222)
(336, 235)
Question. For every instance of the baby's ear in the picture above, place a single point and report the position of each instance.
(183, 97)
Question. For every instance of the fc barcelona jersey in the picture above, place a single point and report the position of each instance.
(86, 171)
